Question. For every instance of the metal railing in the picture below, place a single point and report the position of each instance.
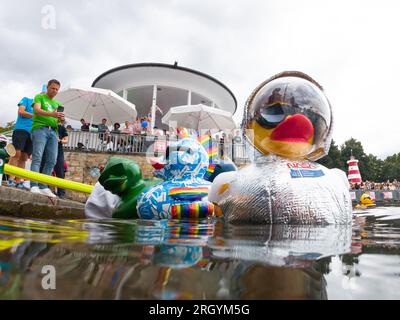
(141, 144)
(378, 195)
(108, 142)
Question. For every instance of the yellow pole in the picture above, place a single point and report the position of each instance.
(45, 179)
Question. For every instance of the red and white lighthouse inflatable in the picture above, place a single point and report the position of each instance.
(354, 175)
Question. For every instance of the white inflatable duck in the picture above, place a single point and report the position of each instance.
(288, 125)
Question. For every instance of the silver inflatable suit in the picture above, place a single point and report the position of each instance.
(288, 122)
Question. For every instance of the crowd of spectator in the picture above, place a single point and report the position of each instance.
(369, 185)
(140, 126)
(117, 137)
(133, 136)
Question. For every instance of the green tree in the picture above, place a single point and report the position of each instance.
(333, 159)
(9, 127)
(391, 167)
(374, 169)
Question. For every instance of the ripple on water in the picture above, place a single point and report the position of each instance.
(176, 259)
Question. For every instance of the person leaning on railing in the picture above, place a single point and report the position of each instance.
(85, 125)
(115, 137)
(127, 135)
(137, 127)
(128, 128)
(116, 129)
(144, 125)
(103, 130)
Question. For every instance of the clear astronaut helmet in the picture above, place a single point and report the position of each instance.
(290, 116)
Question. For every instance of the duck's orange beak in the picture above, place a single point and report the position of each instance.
(292, 138)
(156, 164)
(296, 128)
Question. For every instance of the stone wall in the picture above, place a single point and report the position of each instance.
(80, 164)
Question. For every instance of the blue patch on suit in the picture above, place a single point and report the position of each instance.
(306, 173)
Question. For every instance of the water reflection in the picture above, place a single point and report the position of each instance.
(282, 245)
(207, 260)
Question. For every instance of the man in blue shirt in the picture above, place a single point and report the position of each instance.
(21, 138)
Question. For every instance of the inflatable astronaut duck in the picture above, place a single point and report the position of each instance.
(288, 125)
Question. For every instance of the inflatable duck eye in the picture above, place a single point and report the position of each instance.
(290, 116)
(179, 154)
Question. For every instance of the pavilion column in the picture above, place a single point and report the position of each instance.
(125, 96)
(189, 98)
(153, 107)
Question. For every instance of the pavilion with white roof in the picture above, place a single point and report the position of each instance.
(154, 88)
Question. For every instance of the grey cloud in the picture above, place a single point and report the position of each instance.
(344, 45)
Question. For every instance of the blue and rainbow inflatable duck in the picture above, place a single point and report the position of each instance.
(183, 194)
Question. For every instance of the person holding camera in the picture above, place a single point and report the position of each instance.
(46, 114)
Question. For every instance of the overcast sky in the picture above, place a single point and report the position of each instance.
(350, 47)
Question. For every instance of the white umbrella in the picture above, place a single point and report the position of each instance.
(96, 104)
(199, 117)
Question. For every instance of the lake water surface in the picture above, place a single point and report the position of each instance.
(118, 259)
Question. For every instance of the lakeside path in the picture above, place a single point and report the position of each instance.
(25, 204)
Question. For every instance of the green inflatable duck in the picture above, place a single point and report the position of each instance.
(123, 177)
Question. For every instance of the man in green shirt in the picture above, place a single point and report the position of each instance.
(45, 135)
